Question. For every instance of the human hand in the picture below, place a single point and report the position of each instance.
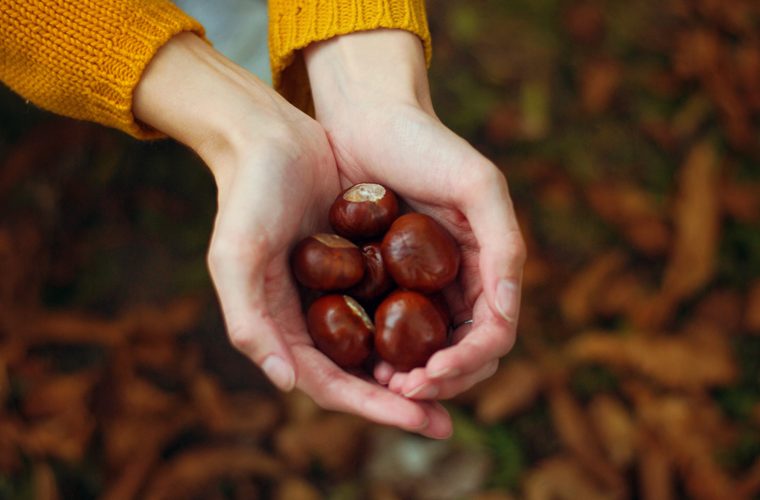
(276, 178)
(371, 94)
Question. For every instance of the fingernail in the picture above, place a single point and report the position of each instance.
(279, 372)
(448, 372)
(507, 299)
(423, 391)
(423, 425)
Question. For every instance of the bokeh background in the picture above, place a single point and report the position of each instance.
(630, 135)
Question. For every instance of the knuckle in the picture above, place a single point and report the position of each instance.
(519, 249)
(242, 340)
(231, 249)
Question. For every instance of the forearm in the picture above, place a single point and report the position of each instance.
(374, 66)
(83, 59)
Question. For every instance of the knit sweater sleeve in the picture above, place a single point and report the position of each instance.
(294, 24)
(84, 58)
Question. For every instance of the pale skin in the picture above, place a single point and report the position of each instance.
(277, 172)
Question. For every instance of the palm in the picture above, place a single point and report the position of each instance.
(427, 165)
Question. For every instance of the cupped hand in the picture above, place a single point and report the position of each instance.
(276, 178)
(371, 95)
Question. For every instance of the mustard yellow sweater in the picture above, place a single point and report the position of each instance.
(83, 58)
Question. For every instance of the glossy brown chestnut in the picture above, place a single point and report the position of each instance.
(327, 262)
(376, 280)
(364, 211)
(341, 329)
(409, 329)
(420, 254)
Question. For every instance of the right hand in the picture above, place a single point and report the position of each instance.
(276, 178)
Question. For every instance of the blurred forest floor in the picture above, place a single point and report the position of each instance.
(630, 134)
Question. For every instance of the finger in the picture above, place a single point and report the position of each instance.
(239, 284)
(488, 208)
(397, 382)
(449, 388)
(487, 338)
(334, 389)
(419, 386)
(439, 421)
(383, 372)
(240, 252)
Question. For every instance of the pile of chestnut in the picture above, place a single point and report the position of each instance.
(382, 261)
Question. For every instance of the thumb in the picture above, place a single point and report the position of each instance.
(239, 281)
(502, 250)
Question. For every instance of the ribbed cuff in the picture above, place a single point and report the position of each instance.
(84, 59)
(294, 24)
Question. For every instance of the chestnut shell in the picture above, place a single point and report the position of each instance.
(341, 329)
(363, 211)
(327, 262)
(420, 254)
(408, 329)
(376, 280)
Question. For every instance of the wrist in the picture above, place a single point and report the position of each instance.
(195, 95)
(378, 67)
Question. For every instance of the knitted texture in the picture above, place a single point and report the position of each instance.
(84, 58)
(294, 24)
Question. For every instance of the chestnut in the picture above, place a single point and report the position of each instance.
(363, 211)
(409, 329)
(327, 262)
(376, 280)
(420, 254)
(341, 329)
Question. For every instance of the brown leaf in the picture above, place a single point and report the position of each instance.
(578, 300)
(752, 311)
(45, 486)
(169, 320)
(245, 414)
(740, 200)
(334, 440)
(65, 436)
(196, 468)
(576, 433)
(513, 388)
(696, 218)
(656, 474)
(295, 488)
(721, 309)
(584, 22)
(600, 80)
(59, 394)
(667, 359)
(615, 428)
(622, 295)
(72, 327)
(672, 420)
(634, 211)
(561, 478)
(749, 484)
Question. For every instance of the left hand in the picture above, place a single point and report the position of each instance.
(371, 95)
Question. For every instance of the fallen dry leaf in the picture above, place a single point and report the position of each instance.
(295, 488)
(197, 468)
(615, 429)
(45, 486)
(752, 311)
(667, 359)
(599, 81)
(575, 431)
(513, 388)
(697, 225)
(562, 478)
(671, 420)
(579, 299)
(656, 474)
